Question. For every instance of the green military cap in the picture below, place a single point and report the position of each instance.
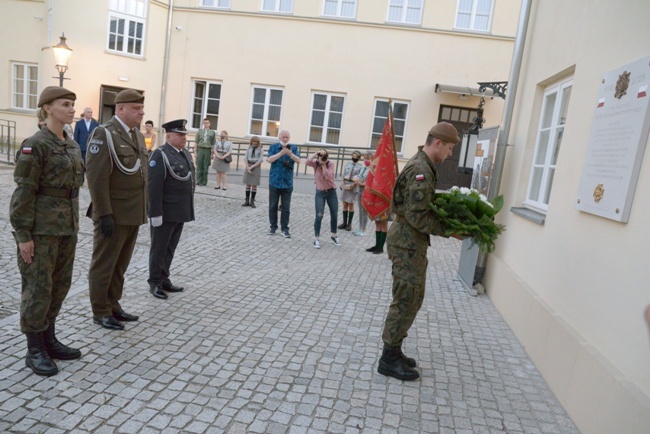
(129, 95)
(51, 93)
(445, 132)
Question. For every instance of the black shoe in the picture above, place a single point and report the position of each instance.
(392, 365)
(342, 226)
(172, 288)
(348, 227)
(158, 292)
(108, 322)
(409, 361)
(120, 315)
(252, 204)
(378, 251)
(371, 249)
(247, 203)
(55, 349)
(37, 358)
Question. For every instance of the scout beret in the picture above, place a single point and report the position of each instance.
(51, 93)
(177, 126)
(129, 95)
(445, 132)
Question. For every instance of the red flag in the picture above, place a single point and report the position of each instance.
(378, 193)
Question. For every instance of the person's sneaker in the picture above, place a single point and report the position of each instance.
(336, 240)
(286, 234)
(359, 233)
(271, 231)
(316, 244)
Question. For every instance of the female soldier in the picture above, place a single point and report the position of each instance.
(253, 173)
(44, 213)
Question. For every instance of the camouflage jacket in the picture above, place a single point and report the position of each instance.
(414, 190)
(46, 167)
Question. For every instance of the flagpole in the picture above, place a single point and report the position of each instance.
(392, 133)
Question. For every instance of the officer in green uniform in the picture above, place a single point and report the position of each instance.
(408, 239)
(116, 167)
(205, 141)
(44, 213)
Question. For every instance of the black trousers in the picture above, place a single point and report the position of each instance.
(164, 240)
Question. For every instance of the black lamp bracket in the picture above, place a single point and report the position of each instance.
(498, 87)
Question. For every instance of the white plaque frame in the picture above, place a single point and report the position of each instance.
(617, 140)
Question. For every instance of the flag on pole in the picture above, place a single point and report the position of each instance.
(378, 193)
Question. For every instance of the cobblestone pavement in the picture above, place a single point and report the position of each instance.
(270, 336)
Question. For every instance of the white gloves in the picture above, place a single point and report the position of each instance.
(156, 221)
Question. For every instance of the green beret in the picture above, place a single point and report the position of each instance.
(445, 132)
(129, 95)
(51, 93)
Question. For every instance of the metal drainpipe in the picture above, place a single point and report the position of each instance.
(506, 121)
(163, 87)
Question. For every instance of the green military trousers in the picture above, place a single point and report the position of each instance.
(46, 281)
(409, 279)
(202, 165)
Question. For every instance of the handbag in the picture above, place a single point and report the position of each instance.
(228, 159)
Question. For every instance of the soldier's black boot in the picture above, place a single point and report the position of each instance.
(410, 362)
(37, 358)
(55, 349)
(392, 365)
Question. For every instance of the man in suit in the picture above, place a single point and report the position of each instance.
(171, 204)
(117, 182)
(83, 129)
(205, 141)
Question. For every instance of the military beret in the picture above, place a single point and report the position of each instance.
(445, 132)
(51, 93)
(129, 95)
(177, 126)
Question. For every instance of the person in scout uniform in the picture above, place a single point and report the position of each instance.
(408, 239)
(349, 189)
(117, 182)
(171, 204)
(205, 141)
(44, 213)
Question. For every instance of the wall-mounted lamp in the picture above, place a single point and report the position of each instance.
(62, 55)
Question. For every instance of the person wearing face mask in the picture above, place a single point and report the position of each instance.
(360, 180)
(349, 190)
(44, 213)
(222, 159)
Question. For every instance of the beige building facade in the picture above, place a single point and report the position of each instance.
(572, 285)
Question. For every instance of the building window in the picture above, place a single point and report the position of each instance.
(205, 104)
(405, 11)
(221, 4)
(25, 86)
(400, 114)
(326, 118)
(126, 21)
(474, 15)
(266, 110)
(547, 145)
(340, 8)
(284, 6)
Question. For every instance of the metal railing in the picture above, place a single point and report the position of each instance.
(7, 140)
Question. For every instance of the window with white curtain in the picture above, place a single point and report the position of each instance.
(326, 118)
(221, 4)
(266, 111)
(400, 114)
(126, 22)
(340, 8)
(474, 15)
(405, 11)
(24, 86)
(285, 6)
(206, 102)
(547, 146)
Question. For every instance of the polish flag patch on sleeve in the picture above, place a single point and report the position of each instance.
(27, 150)
(419, 177)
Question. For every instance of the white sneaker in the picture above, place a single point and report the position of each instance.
(359, 233)
(336, 240)
(316, 244)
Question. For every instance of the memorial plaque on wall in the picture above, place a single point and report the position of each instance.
(617, 140)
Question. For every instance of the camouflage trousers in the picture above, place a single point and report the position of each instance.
(46, 281)
(409, 279)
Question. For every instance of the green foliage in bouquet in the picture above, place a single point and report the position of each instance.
(467, 213)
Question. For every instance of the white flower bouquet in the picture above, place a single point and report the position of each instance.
(465, 212)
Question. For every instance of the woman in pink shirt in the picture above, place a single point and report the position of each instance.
(325, 192)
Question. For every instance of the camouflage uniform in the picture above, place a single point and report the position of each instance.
(408, 239)
(45, 208)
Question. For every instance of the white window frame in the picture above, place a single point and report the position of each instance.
(543, 166)
(214, 124)
(473, 12)
(215, 4)
(326, 118)
(339, 9)
(30, 100)
(376, 119)
(133, 12)
(265, 117)
(277, 6)
(404, 5)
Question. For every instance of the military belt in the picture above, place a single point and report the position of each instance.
(64, 193)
